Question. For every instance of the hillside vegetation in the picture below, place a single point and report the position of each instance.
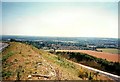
(25, 62)
(99, 63)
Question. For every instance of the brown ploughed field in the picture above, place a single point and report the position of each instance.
(103, 55)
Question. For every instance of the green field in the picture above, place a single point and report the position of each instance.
(109, 50)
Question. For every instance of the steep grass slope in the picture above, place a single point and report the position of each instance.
(25, 62)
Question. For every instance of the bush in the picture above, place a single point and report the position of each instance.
(6, 73)
(90, 77)
(19, 71)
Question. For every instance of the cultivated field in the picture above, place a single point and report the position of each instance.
(103, 55)
(109, 50)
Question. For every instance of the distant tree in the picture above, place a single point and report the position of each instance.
(12, 40)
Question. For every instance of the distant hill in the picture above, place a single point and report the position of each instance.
(25, 62)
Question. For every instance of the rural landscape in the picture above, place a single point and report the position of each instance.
(59, 41)
(43, 58)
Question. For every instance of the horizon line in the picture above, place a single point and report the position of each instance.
(62, 36)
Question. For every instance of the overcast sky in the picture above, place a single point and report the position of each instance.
(65, 19)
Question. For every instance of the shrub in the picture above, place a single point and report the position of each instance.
(83, 74)
(90, 77)
(6, 73)
(19, 71)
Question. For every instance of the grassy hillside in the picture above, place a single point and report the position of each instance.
(25, 62)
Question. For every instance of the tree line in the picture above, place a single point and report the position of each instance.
(102, 64)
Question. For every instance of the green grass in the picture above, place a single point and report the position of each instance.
(64, 63)
(5, 57)
(6, 73)
(109, 50)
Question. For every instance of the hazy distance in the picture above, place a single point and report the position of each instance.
(64, 19)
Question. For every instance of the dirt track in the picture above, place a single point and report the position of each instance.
(103, 55)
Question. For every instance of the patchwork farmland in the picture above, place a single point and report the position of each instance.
(103, 55)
